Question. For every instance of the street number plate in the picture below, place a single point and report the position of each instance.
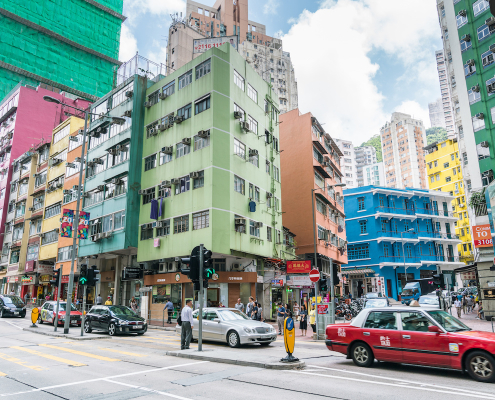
(16, 313)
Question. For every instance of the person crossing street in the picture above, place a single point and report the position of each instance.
(187, 325)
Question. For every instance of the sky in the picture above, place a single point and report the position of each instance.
(355, 61)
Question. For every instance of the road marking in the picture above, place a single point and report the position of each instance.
(148, 390)
(19, 362)
(14, 325)
(80, 353)
(402, 381)
(2, 374)
(123, 352)
(449, 391)
(49, 356)
(101, 379)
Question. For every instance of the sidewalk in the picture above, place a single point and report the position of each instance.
(476, 324)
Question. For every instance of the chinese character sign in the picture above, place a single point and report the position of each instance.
(298, 267)
(66, 227)
(82, 228)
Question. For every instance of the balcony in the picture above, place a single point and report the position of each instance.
(435, 214)
(400, 236)
(438, 236)
(439, 259)
(386, 261)
(392, 212)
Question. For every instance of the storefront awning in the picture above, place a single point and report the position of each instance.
(357, 271)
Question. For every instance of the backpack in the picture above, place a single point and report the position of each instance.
(179, 320)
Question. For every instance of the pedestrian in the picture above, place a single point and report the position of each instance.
(470, 304)
(239, 306)
(350, 296)
(458, 306)
(99, 300)
(464, 304)
(312, 318)
(254, 311)
(187, 325)
(12, 293)
(280, 318)
(26, 298)
(303, 324)
(134, 305)
(260, 313)
(108, 302)
(250, 306)
(481, 313)
(459, 297)
(169, 306)
(220, 304)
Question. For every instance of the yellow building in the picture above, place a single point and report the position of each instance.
(445, 174)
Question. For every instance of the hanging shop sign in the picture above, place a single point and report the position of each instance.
(299, 267)
(82, 228)
(482, 236)
(299, 280)
(67, 220)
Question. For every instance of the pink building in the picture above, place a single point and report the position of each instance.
(26, 120)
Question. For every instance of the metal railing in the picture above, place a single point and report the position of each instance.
(395, 210)
(433, 212)
(400, 259)
(439, 258)
(158, 318)
(438, 235)
(398, 234)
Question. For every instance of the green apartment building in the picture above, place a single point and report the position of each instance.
(211, 173)
(64, 45)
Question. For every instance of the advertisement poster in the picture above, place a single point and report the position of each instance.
(82, 228)
(67, 220)
(482, 236)
(298, 267)
(323, 309)
(202, 45)
(299, 281)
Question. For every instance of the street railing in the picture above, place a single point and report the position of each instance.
(158, 318)
(394, 210)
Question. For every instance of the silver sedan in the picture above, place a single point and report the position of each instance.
(233, 327)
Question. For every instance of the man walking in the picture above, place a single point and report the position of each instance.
(249, 307)
(239, 306)
(99, 300)
(280, 318)
(187, 325)
(458, 306)
(170, 310)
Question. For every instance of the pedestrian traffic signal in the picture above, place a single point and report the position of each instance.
(56, 278)
(92, 275)
(336, 279)
(208, 269)
(83, 274)
(192, 263)
(438, 281)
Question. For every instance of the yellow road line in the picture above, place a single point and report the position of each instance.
(81, 353)
(2, 374)
(123, 352)
(49, 356)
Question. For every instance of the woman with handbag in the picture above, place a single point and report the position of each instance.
(303, 325)
(254, 312)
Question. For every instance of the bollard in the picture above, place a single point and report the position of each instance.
(34, 317)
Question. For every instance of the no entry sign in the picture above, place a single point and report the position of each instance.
(314, 275)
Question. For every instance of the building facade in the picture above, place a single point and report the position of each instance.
(365, 155)
(44, 46)
(437, 118)
(446, 103)
(393, 232)
(211, 175)
(348, 163)
(311, 165)
(226, 18)
(403, 139)
(373, 174)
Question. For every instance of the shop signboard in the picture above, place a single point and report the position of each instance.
(45, 269)
(299, 267)
(277, 282)
(299, 280)
(469, 276)
(45, 278)
(132, 273)
(65, 278)
(29, 266)
(482, 236)
(27, 280)
(202, 45)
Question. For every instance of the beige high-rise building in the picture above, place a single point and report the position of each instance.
(403, 139)
(228, 18)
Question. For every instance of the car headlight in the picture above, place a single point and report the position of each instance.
(247, 330)
(124, 323)
(272, 329)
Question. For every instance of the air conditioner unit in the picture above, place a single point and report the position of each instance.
(115, 181)
(109, 234)
(162, 96)
(167, 150)
(475, 88)
(490, 21)
(142, 192)
(240, 221)
(166, 184)
(490, 87)
(258, 224)
(93, 238)
(75, 187)
(162, 267)
(325, 164)
(466, 37)
(171, 267)
(112, 152)
(204, 134)
(31, 209)
(91, 163)
(121, 147)
(462, 205)
(245, 126)
(484, 144)
(237, 115)
(194, 175)
(470, 62)
(186, 141)
(147, 104)
(161, 127)
(158, 224)
(55, 161)
(66, 191)
(480, 116)
(70, 165)
(269, 195)
(59, 185)
(462, 13)
(85, 195)
(253, 153)
(100, 188)
(178, 119)
(101, 130)
(128, 113)
(73, 139)
(98, 161)
(129, 94)
(175, 181)
(153, 132)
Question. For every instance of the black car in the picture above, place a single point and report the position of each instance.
(12, 306)
(114, 320)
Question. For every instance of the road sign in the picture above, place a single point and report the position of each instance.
(314, 275)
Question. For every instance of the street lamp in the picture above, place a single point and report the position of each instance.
(332, 303)
(76, 217)
(403, 252)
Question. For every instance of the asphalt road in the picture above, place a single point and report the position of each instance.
(40, 367)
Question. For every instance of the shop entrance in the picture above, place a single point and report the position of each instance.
(213, 297)
(277, 297)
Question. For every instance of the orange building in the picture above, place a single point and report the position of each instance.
(310, 161)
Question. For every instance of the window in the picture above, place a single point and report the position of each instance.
(363, 226)
(239, 148)
(169, 88)
(150, 195)
(239, 109)
(32, 252)
(252, 93)
(276, 173)
(239, 185)
(20, 209)
(14, 256)
(361, 203)
(165, 158)
(185, 79)
(120, 96)
(35, 226)
(358, 252)
(93, 197)
(202, 104)
(484, 31)
(239, 80)
(203, 68)
(150, 162)
(38, 202)
(201, 220)
(254, 159)
(415, 321)
(480, 6)
(184, 185)
(44, 153)
(199, 182)
(464, 46)
(18, 231)
(461, 20)
(182, 150)
(118, 220)
(65, 131)
(40, 179)
(146, 232)
(164, 230)
(267, 165)
(184, 112)
(254, 229)
(487, 58)
(153, 98)
(181, 224)
(253, 125)
(268, 233)
(478, 124)
(382, 320)
(322, 233)
(446, 165)
(469, 69)
(200, 143)
(321, 207)
(64, 253)
(23, 187)
(49, 237)
(318, 179)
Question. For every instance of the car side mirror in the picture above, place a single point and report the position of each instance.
(217, 320)
(434, 329)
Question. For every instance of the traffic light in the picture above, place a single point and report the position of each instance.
(56, 278)
(324, 284)
(192, 262)
(336, 279)
(83, 274)
(438, 281)
(92, 275)
(208, 269)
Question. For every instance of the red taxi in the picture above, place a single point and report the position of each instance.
(413, 335)
(47, 313)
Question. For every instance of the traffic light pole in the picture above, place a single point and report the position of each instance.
(200, 296)
(58, 297)
(332, 294)
(83, 310)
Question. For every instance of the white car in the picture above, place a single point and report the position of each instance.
(429, 302)
(231, 326)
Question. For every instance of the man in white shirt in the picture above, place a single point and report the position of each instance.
(239, 306)
(187, 325)
(458, 306)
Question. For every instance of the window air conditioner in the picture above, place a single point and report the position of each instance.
(186, 141)
(142, 192)
(162, 96)
(490, 21)
(462, 13)
(162, 267)
(178, 119)
(75, 187)
(100, 188)
(112, 152)
(158, 224)
(73, 139)
(258, 224)
(470, 62)
(129, 94)
(55, 161)
(166, 184)
(490, 87)
(98, 161)
(475, 88)
(269, 195)
(484, 144)
(167, 149)
(175, 181)
(93, 238)
(66, 191)
(128, 113)
(237, 115)
(31, 209)
(466, 37)
(480, 116)
(153, 131)
(59, 185)
(204, 134)
(253, 152)
(161, 127)
(240, 221)
(194, 175)
(101, 130)
(91, 163)
(70, 165)
(147, 104)
(121, 147)
(116, 181)
(245, 126)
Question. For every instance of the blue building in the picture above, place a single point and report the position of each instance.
(393, 232)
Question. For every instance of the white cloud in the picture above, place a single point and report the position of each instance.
(330, 50)
(133, 8)
(270, 7)
(128, 44)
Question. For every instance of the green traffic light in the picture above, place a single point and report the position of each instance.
(83, 281)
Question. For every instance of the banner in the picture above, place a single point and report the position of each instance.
(202, 45)
(67, 219)
(298, 267)
(299, 280)
(482, 236)
(82, 228)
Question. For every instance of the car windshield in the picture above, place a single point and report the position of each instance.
(231, 315)
(407, 292)
(121, 311)
(372, 295)
(448, 322)
(373, 303)
(63, 305)
(13, 300)
(431, 300)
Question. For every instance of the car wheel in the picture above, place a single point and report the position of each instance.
(40, 320)
(233, 339)
(87, 327)
(481, 366)
(112, 329)
(1, 313)
(23, 315)
(362, 355)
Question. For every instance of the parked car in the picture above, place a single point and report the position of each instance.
(233, 327)
(372, 295)
(48, 310)
(430, 302)
(413, 335)
(114, 320)
(11, 305)
(376, 302)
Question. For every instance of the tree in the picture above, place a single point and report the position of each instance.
(435, 134)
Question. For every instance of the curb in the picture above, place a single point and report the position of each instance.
(63, 335)
(162, 328)
(277, 366)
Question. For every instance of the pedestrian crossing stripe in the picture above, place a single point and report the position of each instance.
(122, 352)
(80, 353)
(2, 374)
(49, 356)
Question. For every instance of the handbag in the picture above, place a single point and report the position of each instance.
(179, 320)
